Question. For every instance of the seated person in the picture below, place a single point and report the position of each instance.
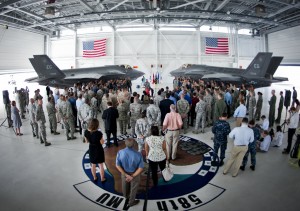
(277, 141)
(265, 144)
(265, 125)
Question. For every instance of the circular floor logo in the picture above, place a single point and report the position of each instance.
(189, 188)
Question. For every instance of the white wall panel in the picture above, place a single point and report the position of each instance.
(16, 46)
(286, 43)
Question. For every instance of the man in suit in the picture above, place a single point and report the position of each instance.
(109, 117)
(164, 107)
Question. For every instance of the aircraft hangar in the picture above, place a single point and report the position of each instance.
(154, 37)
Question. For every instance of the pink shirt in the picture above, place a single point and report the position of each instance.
(173, 121)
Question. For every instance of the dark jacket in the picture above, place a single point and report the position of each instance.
(109, 117)
(164, 107)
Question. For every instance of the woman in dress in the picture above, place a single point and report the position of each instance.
(155, 147)
(17, 123)
(95, 138)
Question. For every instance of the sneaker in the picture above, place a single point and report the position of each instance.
(134, 203)
(252, 168)
(242, 168)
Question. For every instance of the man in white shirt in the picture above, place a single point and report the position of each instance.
(265, 144)
(240, 113)
(293, 124)
(242, 136)
(265, 124)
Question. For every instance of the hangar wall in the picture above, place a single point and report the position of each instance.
(154, 50)
(286, 43)
(16, 46)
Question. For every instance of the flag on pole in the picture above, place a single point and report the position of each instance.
(92, 49)
(216, 45)
(153, 78)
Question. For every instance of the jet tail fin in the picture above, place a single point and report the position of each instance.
(274, 63)
(259, 65)
(45, 67)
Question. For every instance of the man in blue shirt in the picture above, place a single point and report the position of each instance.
(228, 101)
(130, 164)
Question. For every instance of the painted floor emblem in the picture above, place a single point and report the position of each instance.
(190, 187)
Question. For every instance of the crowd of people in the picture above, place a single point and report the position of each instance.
(156, 120)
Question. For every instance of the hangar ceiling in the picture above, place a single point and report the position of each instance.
(46, 17)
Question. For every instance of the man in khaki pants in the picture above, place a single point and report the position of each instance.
(242, 136)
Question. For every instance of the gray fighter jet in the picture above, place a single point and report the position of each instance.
(259, 73)
(50, 74)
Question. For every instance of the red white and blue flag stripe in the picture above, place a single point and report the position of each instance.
(216, 45)
(96, 48)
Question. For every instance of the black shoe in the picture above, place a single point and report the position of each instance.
(242, 168)
(52, 131)
(221, 163)
(134, 203)
(47, 144)
(252, 168)
(74, 137)
(56, 133)
(34, 135)
(68, 138)
(214, 163)
(285, 151)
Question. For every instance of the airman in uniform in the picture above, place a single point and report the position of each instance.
(123, 116)
(183, 108)
(135, 111)
(200, 115)
(142, 131)
(208, 99)
(220, 129)
(32, 118)
(94, 106)
(252, 104)
(85, 116)
(41, 120)
(66, 114)
(153, 114)
(52, 116)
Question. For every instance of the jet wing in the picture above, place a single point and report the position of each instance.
(222, 77)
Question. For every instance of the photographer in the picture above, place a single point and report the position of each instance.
(293, 124)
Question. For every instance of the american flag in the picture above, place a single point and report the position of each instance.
(216, 45)
(95, 48)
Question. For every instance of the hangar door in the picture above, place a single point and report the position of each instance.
(16, 46)
(286, 43)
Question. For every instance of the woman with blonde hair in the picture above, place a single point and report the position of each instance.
(95, 138)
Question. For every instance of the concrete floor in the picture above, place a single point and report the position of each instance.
(35, 177)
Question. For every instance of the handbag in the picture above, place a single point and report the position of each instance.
(167, 173)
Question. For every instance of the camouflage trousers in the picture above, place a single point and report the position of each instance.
(94, 113)
(185, 123)
(140, 142)
(53, 122)
(223, 146)
(200, 118)
(42, 127)
(208, 115)
(69, 127)
(132, 124)
(123, 126)
(251, 113)
(257, 113)
(252, 151)
(35, 128)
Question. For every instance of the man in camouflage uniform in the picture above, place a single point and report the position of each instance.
(220, 129)
(142, 131)
(252, 104)
(158, 98)
(105, 99)
(94, 106)
(200, 114)
(220, 107)
(183, 108)
(85, 116)
(251, 147)
(123, 116)
(66, 114)
(52, 116)
(135, 110)
(259, 105)
(99, 98)
(32, 118)
(208, 99)
(41, 120)
(153, 114)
